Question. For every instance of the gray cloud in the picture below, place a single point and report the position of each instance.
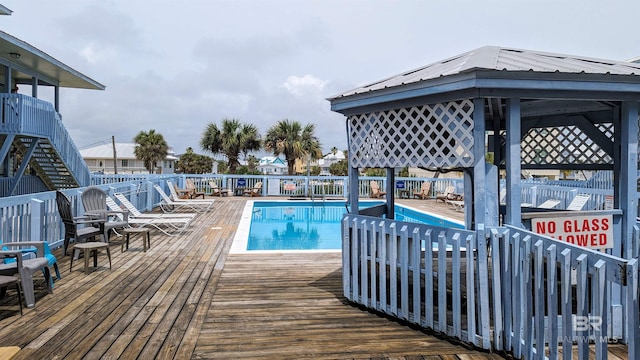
(176, 67)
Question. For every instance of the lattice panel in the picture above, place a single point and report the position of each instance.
(564, 145)
(439, 135)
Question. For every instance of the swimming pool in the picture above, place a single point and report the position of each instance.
(306, 225)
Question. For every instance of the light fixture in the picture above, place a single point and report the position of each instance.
(15, 55)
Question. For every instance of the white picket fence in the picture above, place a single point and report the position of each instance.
(507, 289)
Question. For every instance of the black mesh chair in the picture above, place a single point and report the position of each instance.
(77, 228)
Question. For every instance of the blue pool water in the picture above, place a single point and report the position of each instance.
(304, 225)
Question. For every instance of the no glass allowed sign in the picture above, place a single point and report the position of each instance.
(593, 232)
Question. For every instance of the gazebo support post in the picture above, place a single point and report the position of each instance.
(390, 188)
(627, 182)
(354, 191)
(513, 166)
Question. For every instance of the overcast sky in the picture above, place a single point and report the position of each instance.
(175, 66)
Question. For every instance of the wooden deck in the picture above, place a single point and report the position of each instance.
(187, 297)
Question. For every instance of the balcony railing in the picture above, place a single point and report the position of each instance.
(27, 116)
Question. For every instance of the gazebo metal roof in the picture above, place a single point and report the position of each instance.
(503, 60)
(493, 71)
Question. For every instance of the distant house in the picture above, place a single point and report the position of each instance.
(99, 158)
(271, 165)
(329, 159)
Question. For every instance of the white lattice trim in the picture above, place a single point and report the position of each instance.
(439, 135)
(564, 145)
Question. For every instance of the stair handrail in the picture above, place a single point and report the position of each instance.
(26, 115)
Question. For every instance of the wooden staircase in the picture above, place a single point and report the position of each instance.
(46, 162)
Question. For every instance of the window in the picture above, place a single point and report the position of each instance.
(125, 163)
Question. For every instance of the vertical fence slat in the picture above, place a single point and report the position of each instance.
(382, 266)
(567, 304)
(582, 301)
(403, 262)
(355, 262)
(393, 268)
(507, 287)
(516, 294)
(527, 296)
(552, 302)
(600, 290)
(471, 292)
(496, 290)
(455, 288)
(538, 259)
(442, 283)
(375, 238)
(632, 312)
(415, 266)
(428, 279)
(347, 238)
(364, 273)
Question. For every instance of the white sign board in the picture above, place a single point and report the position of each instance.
(593, 231)
(273, 187)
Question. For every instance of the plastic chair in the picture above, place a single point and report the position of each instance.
(26, 268)
(73, 226)
(94, 201)
(53, 261)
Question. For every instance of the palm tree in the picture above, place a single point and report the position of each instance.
(231, 139)
(295, 142)
(150, 148)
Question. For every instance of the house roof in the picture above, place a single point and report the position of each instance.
(501, 59)
(31, 60)
(5, 10)
(105, 151)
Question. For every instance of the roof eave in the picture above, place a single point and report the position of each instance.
(67, 76)
(499, 83)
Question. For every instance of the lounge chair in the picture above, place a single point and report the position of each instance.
(375, 190)
(218, 191)
(135, 213)
(169, 226)
(423, 193)
(549, 204)
(194, 191)
(447, 194)
(254, 191)
(578, 202)
(170, 205)
(456, 204)
(174, 196)
(181, 193)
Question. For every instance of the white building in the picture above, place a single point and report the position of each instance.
(271, 165)
(100, 158)
(329, 160)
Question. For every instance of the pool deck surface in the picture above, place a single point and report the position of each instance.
(187, 297)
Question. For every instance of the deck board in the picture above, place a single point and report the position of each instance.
(188, 298)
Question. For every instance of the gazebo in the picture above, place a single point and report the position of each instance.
(532, 110)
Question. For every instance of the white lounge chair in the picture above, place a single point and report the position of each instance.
(134, 212)
(549, 204)
(169, 205)
(578, 202)
(171, 227)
